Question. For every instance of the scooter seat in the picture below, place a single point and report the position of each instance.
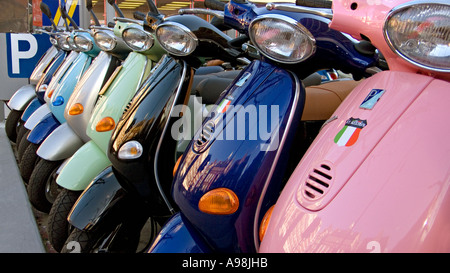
(210, 86)
(322, 100)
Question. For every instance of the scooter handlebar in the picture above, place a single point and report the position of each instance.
(215, 5)
(139, 15)
(315, 3)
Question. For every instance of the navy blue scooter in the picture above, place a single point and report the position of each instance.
(237, 164)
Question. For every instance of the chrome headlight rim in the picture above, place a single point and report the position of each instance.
(183, 28)
(389, 40)
(62, 42)
(82, 47)
(71, 43)
(107, 34)
(293, 23)
(149, 36)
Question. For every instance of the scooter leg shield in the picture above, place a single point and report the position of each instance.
(82, 167)
(62, 143)
(178, 237)
(20, 100)
(37, 116)
(43, 129)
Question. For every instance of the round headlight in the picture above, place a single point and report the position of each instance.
(62, 42)
(420, 33)
(176, 38)
(282, 38)
(105, 40)
(71, 43)
(138, 39)
(83, 43)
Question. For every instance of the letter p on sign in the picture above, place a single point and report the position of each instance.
(23, 54)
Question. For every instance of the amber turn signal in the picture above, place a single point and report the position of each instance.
(76, 109)
(105, 124)
(265, 223)
(50, 94)
(175, 168)
(221, 201)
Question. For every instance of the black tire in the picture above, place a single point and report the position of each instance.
(11, 124)
(58, 226)
(28, 161)
(22, 142)
(41, 177)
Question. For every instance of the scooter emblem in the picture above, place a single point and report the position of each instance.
(371, 99)
(348, 135)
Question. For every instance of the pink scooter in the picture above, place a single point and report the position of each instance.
(377, 177)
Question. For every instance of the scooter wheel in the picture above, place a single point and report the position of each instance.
(40, 177)
(22, 142)
(58, 226)
(28, 161)
(11, 124)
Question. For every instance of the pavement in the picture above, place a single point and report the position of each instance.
(19, 232)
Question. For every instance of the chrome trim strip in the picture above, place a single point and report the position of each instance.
(272, 169)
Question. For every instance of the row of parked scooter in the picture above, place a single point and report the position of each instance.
(166, 126)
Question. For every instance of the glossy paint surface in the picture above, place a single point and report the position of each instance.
(239, 163)
(389, 191)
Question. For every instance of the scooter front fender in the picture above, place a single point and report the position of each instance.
(32, 106)
(43, 129)
(177, 236)
(20, 100)
(97, 202)
(84, 165)
(62, 143)
(37, 116)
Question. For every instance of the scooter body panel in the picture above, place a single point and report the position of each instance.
(388, 187)
(151, 108)
(22, 97)
(86, 93)
(67, 85)
(83, 166)
(60, 144)
(39, 132)
(42, 65)
(41, 86)
(119, 93)
(58, 74)
(37, 116)
(178, 237)
(91, 157)
(255, 156)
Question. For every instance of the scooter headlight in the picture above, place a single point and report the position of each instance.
(138, 39)
(282, 38)
(176, 38)
(105, 41)
(83, 43)
(420, 33)
(62, 42)
(130, 150)
(71, 43)
(53, 40)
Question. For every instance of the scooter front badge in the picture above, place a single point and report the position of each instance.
(348, 135)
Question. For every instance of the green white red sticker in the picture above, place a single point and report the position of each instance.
(349, 134)
(223, 105)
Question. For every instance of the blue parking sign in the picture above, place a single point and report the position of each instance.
(24, 51)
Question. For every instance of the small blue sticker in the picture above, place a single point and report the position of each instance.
(371, 99)
(243, 79)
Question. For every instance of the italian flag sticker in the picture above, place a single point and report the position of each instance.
(223, 105)
(348, 135)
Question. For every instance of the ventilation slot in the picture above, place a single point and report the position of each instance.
(206, 134)
(318, 182)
